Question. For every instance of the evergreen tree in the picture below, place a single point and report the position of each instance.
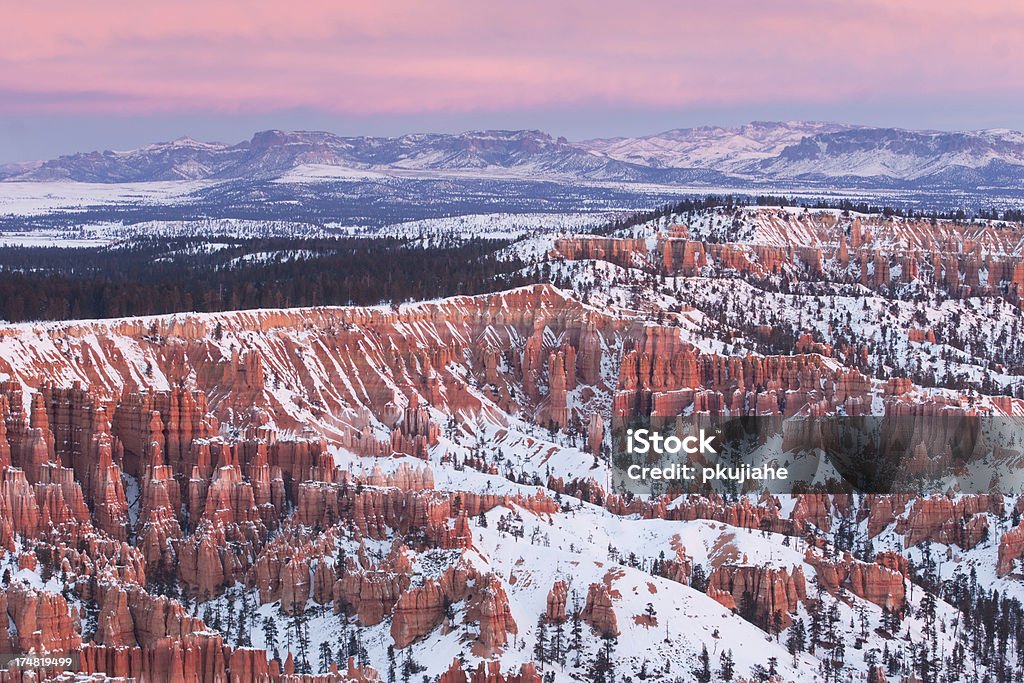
(270, 635)
(699, 578)
(540, 648)
(702, 671)
(796, 639)
(576, 629)
(326, 659)
(302, 664)
(727, 667)
(558, 643)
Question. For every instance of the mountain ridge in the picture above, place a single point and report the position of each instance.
(792, 151)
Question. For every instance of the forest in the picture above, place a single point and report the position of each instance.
(156, 276)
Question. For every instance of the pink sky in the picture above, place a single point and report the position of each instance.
(366, 58)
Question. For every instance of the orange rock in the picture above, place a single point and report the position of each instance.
(882, 582)
(598, 610)
(418, 612)
(766, 595)
(555, 611)
(42, 621)
(1011, 548)
(488, 606)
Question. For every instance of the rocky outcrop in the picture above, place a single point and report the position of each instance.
(555, 610)
(1011, 549)
(624, 252)
(881, 582)
(599, 612)
(488, 606)
(941, 520)
(418, 612)
(882, 510)
(42, 621)
(766, 596)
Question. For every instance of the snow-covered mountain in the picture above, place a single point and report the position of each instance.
(757, 153)
(274, 153)
(711, 147)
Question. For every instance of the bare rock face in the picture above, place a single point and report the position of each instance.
(555, 611)
(881, 582)
(158, 522)
(490, 672)
(421, 609)
(371, 596)
(18, 503)
(5, 634)
(558, 383)
(5, 445)
(459, 536)
(115, 626)
(595, 433)
(882, 511)
(108, 499)
(488, 606)
(1011, 548)
(722, 597)
(877, 674)
(598, 610)
(454, 673)
(295, 587)
(418, 612)
(623, 252)
(942, 520)
(43, 621)
(813, 509)
(37, 444)
(766, 596)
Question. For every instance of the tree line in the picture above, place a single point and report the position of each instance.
(156, 276)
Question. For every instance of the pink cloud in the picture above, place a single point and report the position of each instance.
(406, 56)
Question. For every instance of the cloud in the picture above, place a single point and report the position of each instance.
(405, 56)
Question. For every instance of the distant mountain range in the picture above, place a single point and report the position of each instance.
(776, 154)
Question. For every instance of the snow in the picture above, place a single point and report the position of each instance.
(50, 238)
(583, 544)
(305, 173)
(35, 198)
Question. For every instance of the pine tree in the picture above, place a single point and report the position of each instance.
(796, 639)
(558, 643)
(576, 629)
(302, 636)
(651, 614)
(326, 659)
(245, 618)
(602, 669)
(699, 578)
(540, 648)
(270, 635)
(702, 672)
(727, 666)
